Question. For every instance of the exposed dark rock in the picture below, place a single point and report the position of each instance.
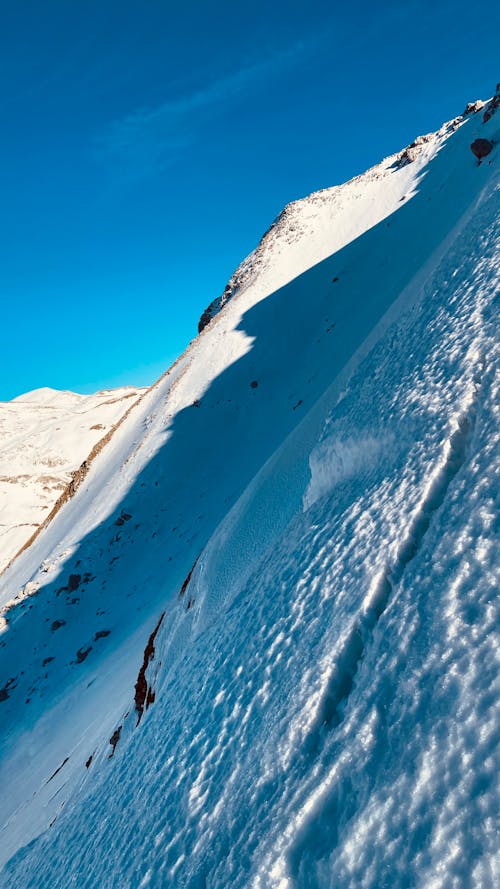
(254, 384)
(46, 661)
(188, 578)
(481, 148)
(72, 585)
(123, 517)
(82, 654)
(101, 634)
(492, 106)
(74, 582)
(58, 770)
(407, 157)
(472, 108)
(9, 686)
(412, 151)
(205, 318)
(239, 278)
(217, 304)
(144, 695)
(56, 624)
(115, 737)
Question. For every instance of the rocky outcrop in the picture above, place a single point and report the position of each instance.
(492, 105)
(144, 694)
(412, 151)
(472, 108)
(214, 308)
(249, 268)
(481, 148)
(115, 737)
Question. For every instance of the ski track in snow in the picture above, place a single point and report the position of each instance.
(331, 718)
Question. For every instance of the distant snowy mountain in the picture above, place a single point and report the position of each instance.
(45, 436)
(258, 647)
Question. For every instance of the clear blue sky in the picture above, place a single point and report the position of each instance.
(147, 145)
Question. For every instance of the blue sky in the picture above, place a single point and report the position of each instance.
(146, 146)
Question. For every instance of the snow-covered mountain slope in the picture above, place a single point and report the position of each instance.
(309, 230)
(257, 647)
(45, 436)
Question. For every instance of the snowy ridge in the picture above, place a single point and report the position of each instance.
(308, 230)
(257, 648)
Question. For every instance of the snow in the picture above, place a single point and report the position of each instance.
(44, 437)
(310, 230)
(322, 550)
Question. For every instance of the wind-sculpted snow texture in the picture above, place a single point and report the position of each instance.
(301, 578)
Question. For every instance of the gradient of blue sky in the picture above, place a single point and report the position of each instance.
(147, 145)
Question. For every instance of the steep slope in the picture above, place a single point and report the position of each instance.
(256, 648)
(44, 438)
(309, 230)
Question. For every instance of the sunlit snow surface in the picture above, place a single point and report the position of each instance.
(45, 436)
(326, 688)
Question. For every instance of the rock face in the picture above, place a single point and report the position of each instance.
(473, 108)
(413, 150)
(237, 280)
(481, 148)
(248, 269)
(492, 106)
(216, 305)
